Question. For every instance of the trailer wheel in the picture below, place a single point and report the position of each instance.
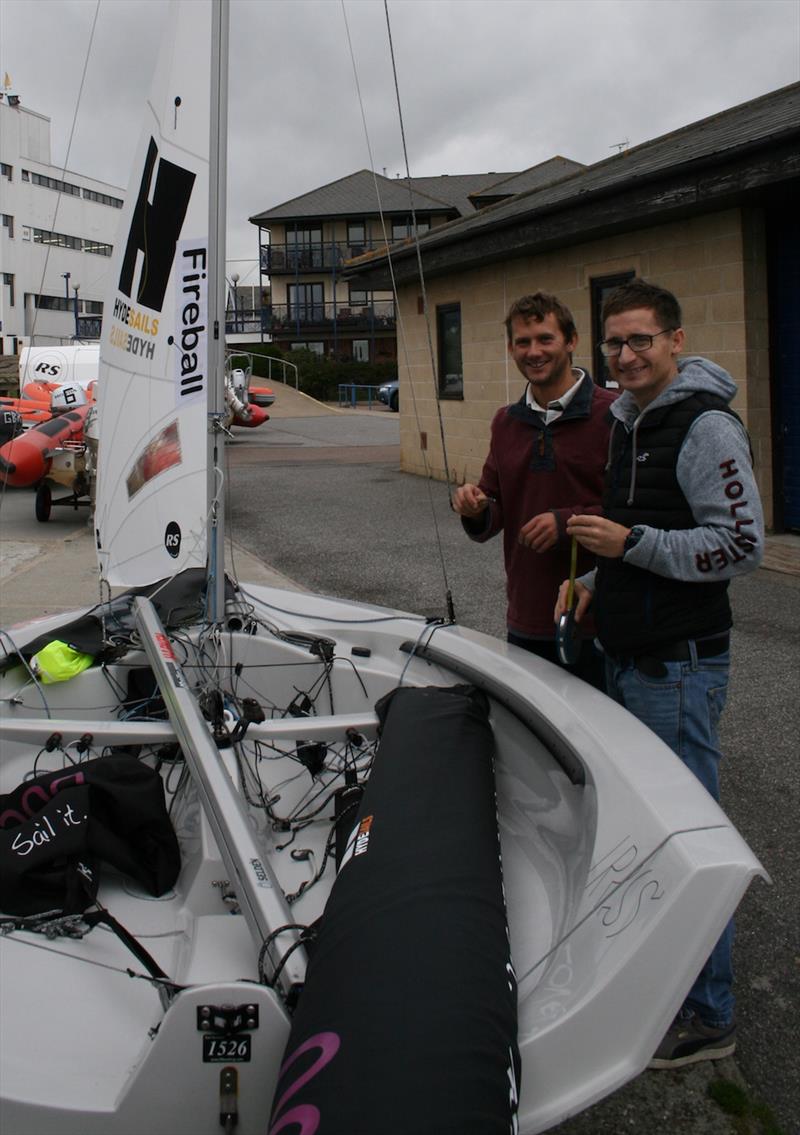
(44, 503)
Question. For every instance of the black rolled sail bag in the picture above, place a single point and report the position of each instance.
(407, 1024)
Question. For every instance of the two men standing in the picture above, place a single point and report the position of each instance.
(680, 517)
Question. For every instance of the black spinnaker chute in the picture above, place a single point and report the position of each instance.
(407, 1024)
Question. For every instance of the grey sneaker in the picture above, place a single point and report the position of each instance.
(688, 1040)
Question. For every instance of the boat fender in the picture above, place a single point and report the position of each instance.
(67, 398)
(407, 1022)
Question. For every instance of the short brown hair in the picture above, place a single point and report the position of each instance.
(537, 306)
(640, 293)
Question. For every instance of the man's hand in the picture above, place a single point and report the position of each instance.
(583, 597)
(470, 501)
(540, 533)
(598, 535)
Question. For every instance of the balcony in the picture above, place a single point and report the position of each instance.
(246, 321)
(294, 319)
(88, 326)
(326, 256)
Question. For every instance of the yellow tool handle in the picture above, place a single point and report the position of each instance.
(573, 566)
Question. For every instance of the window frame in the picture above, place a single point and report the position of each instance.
(423, 226)
(599, 288)
(443, 312)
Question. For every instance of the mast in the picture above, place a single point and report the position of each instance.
(217, 194)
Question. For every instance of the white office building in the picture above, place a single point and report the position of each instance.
(58, 229)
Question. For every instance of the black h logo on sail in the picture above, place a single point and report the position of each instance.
(155, 229)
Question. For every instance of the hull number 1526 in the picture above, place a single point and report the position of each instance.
(226, 1049)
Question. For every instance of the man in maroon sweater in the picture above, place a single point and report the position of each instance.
(546, 460)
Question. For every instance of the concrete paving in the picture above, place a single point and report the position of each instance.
(333, 513)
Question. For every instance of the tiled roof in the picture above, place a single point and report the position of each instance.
(458, 188)
(724, 135)
(545, 173)
(355, 195)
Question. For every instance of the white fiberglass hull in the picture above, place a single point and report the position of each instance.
(620, 872)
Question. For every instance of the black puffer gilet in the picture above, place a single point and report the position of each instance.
(637, 610)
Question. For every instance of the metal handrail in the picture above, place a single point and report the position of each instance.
(348, 393)
(231, 355)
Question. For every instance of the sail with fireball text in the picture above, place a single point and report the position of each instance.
(152, 506)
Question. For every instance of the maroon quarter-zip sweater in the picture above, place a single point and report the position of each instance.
(534, 468)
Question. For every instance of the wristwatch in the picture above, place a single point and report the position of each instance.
(632, 539)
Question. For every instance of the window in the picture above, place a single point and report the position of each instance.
(96, 247)
(8, 223)
(448, 333)
(25, 175)
(360, 297)
(61, 303)
(102, 198)
(6, 170)
(61, 240)
(403, 227)
(8, 280)
(53, 303)
(361, 350)
(304, 249)
(357, 237)
(601, 287)
(315, 348)
(305, 302)
(54, 183)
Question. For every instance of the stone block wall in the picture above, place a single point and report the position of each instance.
(715, 265)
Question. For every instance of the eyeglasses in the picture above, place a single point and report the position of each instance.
(609, 348)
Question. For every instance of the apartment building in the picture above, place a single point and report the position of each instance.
(305, 242)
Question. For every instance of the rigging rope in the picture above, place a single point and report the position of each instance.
(402, 338)
(64, 170)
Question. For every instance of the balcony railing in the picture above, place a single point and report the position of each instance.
(376, 316)
(89, 326)
(277, 259)
(246, 321)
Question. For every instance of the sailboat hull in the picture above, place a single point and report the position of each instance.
(619, 870)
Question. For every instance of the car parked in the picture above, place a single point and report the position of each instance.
(389, 394)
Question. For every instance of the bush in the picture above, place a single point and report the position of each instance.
(320, 377)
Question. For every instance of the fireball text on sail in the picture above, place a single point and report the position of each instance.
(193, 263)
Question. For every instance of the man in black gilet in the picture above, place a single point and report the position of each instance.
(682, 516)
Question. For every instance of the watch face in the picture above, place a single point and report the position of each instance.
(633, 538)
(568, 641)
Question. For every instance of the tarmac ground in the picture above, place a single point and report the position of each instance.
(317, 501)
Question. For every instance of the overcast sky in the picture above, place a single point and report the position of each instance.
(485, 84)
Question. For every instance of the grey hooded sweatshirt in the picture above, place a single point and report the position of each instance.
(714, 472)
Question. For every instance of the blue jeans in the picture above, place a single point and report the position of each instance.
(683, 708)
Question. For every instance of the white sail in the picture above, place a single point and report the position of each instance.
(151, 512)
